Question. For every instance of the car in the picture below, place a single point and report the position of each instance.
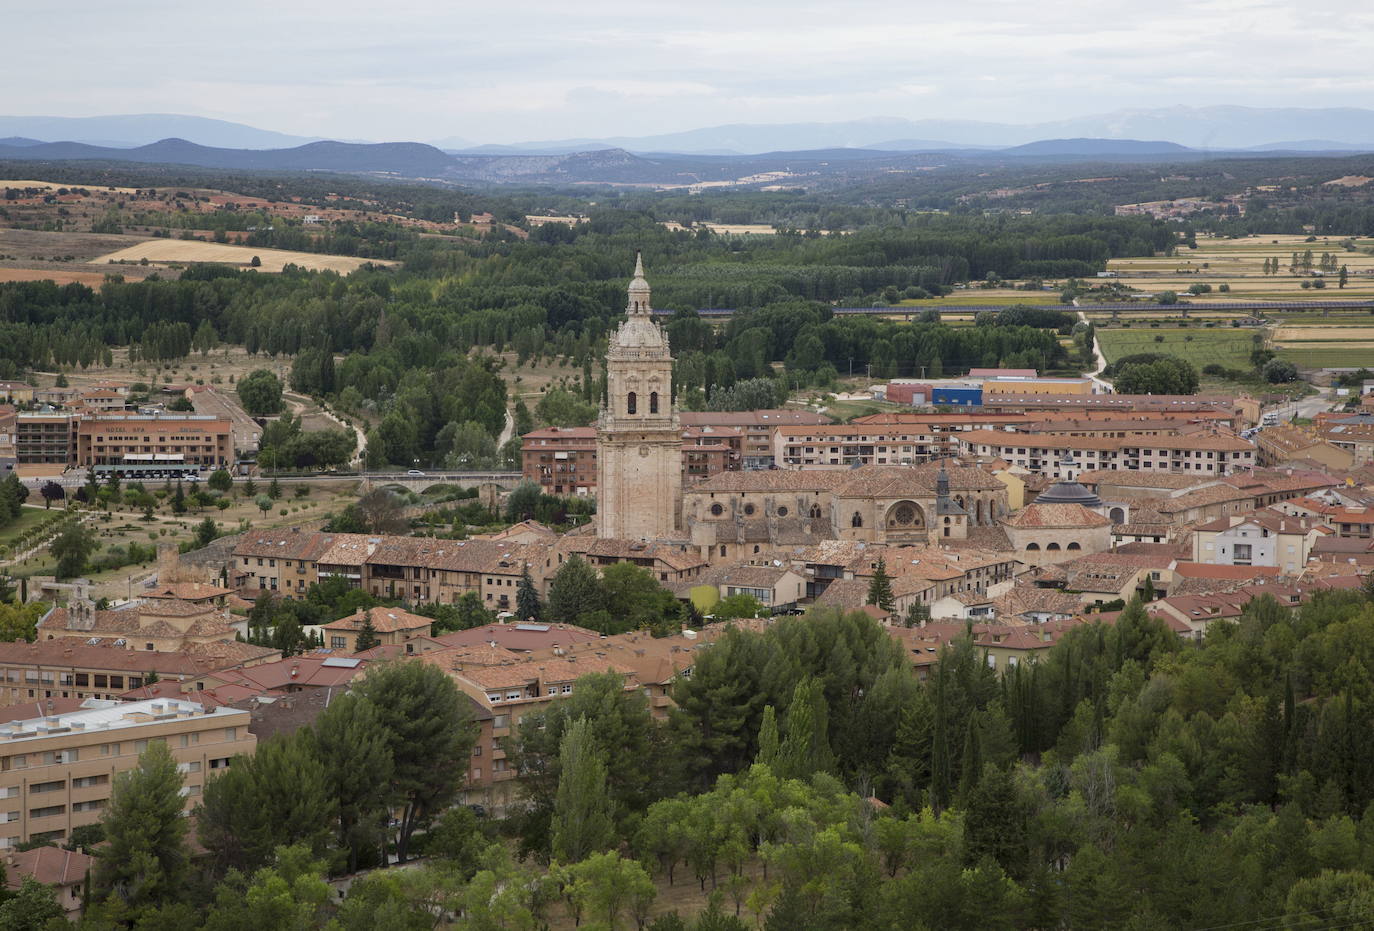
(414, 472)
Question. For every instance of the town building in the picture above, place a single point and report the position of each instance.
(1214, 454)
(755, 429)
(389, 626)
(639, 436)
(1260, 538)
(165, 624)
(127, 440)
(563, 459)
(45, 438)
(57, 772)
(64, 871)
(101, 667)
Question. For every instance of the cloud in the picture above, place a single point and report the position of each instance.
(423, 69)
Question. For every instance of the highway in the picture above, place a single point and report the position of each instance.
(1136, 308)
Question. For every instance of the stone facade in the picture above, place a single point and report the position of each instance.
(638, 435)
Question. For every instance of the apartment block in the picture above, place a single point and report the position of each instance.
(1201, 453)
(57, 771)
(45, 438)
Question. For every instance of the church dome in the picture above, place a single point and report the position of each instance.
(1067, 491)
(639, 332)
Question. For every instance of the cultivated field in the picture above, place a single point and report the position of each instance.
(185, 251)
(1228, 347)
(1239, 263)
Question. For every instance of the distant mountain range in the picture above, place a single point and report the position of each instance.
(803, 153)
(1224, 128)
(1212, 128)
(129, 131)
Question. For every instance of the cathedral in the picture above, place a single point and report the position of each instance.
(638, 435)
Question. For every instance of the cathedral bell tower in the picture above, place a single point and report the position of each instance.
(638, 435)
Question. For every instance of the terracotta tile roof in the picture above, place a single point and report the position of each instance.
(844, 593)
(218, 696)
(188, 591)
(677, 557)
(1198, 570)
(384, 621)
(878, 481)
(772, 417)
(522, 638)
(195, 660)
(747, 576)
(1202, 497)
(309, 669)
(562, 433)
(1032, 599)
(1140, 478)
(49, 865)
(1055, 516)
(546, 669)
(764, 480)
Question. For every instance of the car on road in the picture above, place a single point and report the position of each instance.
(414, 472)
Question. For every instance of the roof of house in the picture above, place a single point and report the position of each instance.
(384, 621)
(768, 417)
(1055, 516)
(188, 591)
(76, 652)
(1201, 570)
(321, 668)
(522, 638)
(50, 865)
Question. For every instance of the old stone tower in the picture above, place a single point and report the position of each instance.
(638, 436)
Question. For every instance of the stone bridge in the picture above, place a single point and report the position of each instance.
(502, 481)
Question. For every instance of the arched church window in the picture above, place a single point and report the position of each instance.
(749, 510)
(782, 511)
(631, 403)
(722, 549)
(717, 510)
(653, 402)
(1074, 546)
(1053, 547)
(857, 520)
(1033, 547)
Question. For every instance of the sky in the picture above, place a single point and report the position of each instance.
(497, 72)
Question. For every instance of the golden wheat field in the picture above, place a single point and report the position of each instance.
(183, 251)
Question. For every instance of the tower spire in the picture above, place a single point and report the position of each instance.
(639, 290)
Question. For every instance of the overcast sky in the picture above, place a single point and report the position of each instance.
(515, 70)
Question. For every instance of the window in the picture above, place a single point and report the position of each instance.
(749, 510)
(93, 805)
(782, 511)
(857, 520)
(231, 733)
(221, 763)
(86, 782)
(631, 403)
(512, 696)
(47, 812)
(653, 402)
(40, 787)
(102, 681)
(717, 510)
(338, 643)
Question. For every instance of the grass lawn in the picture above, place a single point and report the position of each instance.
(1229, 347)
(28, 517)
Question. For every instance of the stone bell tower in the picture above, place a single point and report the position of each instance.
(638, 435)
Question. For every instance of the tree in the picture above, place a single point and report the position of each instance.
(274, 490)
(880, 588)
(769, 741)
(383, 512)
(575, 590)
(917, 615)
(367, 635)
(260, 393)
(806, 748)
(1166, 297)
(179, 500)
(527, 604)
(1278, 371)
(290, 895)
(206, 532)
(523, 501)
(264, 504)
(430, 734)
(740, 605)
(144, 861)
(610, 883)
(72, 548)
(582, 821)
(221, 481)
(51, 491)
(33, 908)
(1344, 277)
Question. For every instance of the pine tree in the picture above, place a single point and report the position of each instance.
(527, 604)
(582, 822)
(880, 588)
(367, 635)
(575, 590)
(274, 490)
(768, 739)
(917, 615)
(144, 861)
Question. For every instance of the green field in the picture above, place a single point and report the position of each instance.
(28, 517)
(1229, 347)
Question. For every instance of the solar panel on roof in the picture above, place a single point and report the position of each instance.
(532, 627)
(342, 662)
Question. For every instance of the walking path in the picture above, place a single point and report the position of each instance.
(1100, 385)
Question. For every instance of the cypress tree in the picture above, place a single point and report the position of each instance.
(582, 821)
(527, 604)
(768, 739)
(880, 588)
(367, 634)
